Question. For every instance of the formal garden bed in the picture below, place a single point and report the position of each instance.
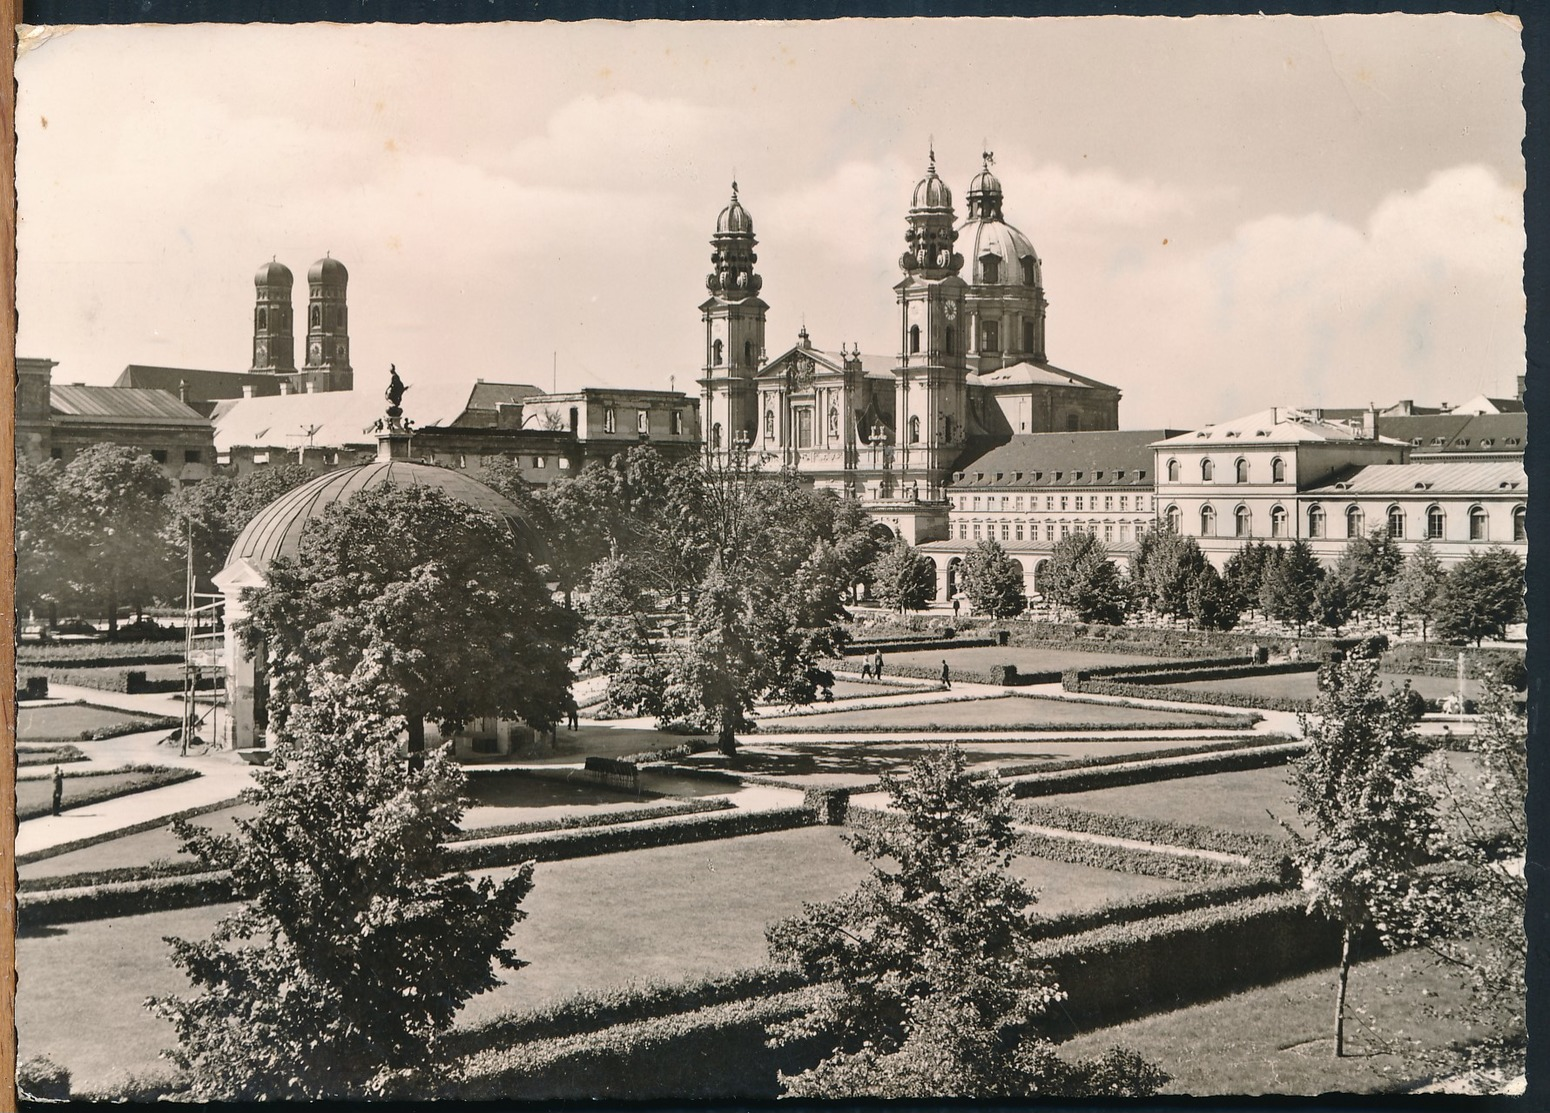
(76, 722)
(1252, 802)
(34, 795)
(1007, 712)
(48, 755)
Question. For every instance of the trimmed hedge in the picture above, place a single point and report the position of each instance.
(121, 832)
(597, 819)
(591, 1010)
(1211, 893)
(111, 678)
(157, 776)
(1123, 859)
(47, 755)
(1167, 642)
(1415, 658)
(1204, 670)
(1187, 665)
(1188, 695)
(1192, 835)
(910, 645)
(1119, 972)
(557, 846)
(85, 655)
(129, 898)
(1061, 765)
(1147, 772)
(116, 875)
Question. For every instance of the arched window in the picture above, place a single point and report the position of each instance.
(1479, 524)
(1435, 522)
(914, 339)
(947, 429)
(1278, 521)
(1207, 470)
(1030, 275)
(1207, 521)
(608, 420)
(990, 336)
(1396, 521)
(1315, 521)
(263, 318)
(1355, 521)
(715, 435)
(1242, 525)
(1278, 470)
(914, 430)
(769, 425)
(990, 268)
(1174, 518)
(317, 316)
(747, 353)
(1173, 471)
(1519, 524)
(949, 341)
(1240, 470)
(716, 353)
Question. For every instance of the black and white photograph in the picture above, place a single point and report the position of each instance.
(909, 558)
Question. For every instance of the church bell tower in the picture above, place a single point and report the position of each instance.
(328, 329)
(734, 333)
(274, 337)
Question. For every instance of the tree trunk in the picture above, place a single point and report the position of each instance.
(112, 609)
(726, 737)
(416, 723)
(1340, 986)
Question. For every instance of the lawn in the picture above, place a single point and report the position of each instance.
(139, 849)
(48, 755)
(692, 910)
(997, 713)
(34, 796)
(66, 722)
(1230, 801)
(1027, 658)
(1304, 685)
(1277, 1040)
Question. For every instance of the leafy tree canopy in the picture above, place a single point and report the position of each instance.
(1481, 596)
(994, 581)
(1082, 577)
(1419, 588)
(216, 510)
(1291, 578)
(903, 577)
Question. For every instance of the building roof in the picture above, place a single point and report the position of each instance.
(1467, 477)
(1459, 433)
(276, 529)
(1482, 404)
(120, 405)
(203, 386)
(330, 419)
(1280, 425)
(487, 396)
(873, 366)
(1030, 373)
(1108, 458)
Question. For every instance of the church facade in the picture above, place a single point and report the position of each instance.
(967, 369)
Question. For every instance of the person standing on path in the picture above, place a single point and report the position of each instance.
(877, 665)
(955, 606)
(866, 667)
(575, 714)
(947, 676)
(59, 789)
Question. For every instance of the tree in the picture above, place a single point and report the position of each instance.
(1369, 567)
(1213, 603)
(355, 945)
(1166, 564)
(40, 575)
(1332, 601)
(1469, 910)
(993, 581)
(110, 540)
(425, 601)
(1082, 577)
(1290, 581)
(931, 987)
(1357, 790)
(1480, 596)
(1244, 573)
(903, 577)
(215, 511)
(1420, 586)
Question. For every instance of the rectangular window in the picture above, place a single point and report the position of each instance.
(976, 502)
(1063, 502)
(192, 456)
(608, 420)
(1079, 502)
(159, 455)
(963, 531)
(1065, 531)
(1108, 502)
(1049, 502)
(1108, 532)
(642, 422)
(564, 464)
(803, 417)
(1122, 500)
(538, 461)
(1003, 502)
(1020, 531)
(1017, 504)
(1124, 531)
(1049, 531)
(1140, 502)
(678, 423)
(976, 531)
(1006, 532)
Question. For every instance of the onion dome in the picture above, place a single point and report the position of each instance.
(931, 192)
(273, 273)
(328, 270)
(985, 194)
(734, 219)
(276, 529)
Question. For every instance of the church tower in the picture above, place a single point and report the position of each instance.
(328, 329)
(734, 333)
(931, 402)
(274, 336)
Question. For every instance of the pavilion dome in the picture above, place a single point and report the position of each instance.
(276, 529)
(273, 273)
(328, 270)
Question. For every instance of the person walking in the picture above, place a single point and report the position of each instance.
(877, 665)
(956, 605)
(866, 667)
(59, 789)
(575, 715)
(947, 676)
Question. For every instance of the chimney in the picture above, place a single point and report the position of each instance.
(183, 391)
(247, 391)
(1370, 422)
(285, 386)
(1522, 383)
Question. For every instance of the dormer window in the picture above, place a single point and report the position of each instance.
(1030, 275)
(990, 268)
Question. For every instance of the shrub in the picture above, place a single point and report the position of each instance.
(1417, 659)
(908, 645)
(113, 876)
(829, 805)
(1210, 893)
(40, 1078)
(131, 898)
(47, 755)
(35, 687)
(115, 679)
(85, 655)
(1235, 671)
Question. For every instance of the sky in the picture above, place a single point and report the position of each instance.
(1232, 212)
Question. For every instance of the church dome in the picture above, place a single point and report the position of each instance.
(734, 219)
(329, 270)
(985, 182)
(276, 529)
(273, 273)
(999, 255)
(931, 192)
